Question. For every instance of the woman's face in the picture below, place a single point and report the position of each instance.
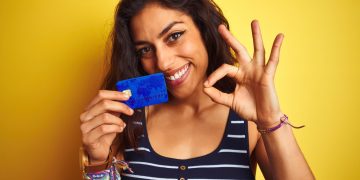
(168, 41)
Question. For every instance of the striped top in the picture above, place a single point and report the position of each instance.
(230, 160)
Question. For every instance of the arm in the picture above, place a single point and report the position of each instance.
(260, 156)
(255, 99)
(280, 157)
(285, 155)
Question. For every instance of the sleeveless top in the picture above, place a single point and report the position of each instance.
(230, 160)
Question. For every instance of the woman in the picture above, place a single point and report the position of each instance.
(200, 133)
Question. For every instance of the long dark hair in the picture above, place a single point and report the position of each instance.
(124, 63)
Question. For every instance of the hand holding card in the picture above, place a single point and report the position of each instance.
(144, 91)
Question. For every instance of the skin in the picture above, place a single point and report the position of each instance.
(201, 110)
(192, 106)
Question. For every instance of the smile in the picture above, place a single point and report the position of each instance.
(179, 74)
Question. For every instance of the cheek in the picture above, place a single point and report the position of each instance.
(149, 66)
(197, 51)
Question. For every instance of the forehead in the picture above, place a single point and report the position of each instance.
(151, 20)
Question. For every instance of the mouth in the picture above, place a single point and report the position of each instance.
(177, 76)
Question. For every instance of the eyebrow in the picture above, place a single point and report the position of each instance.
(164, 31)
(168, 27)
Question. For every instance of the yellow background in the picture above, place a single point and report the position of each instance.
(51, 64)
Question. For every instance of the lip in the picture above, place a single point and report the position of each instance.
(172, 72)
(179, 81)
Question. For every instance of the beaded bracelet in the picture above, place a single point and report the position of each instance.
(284, 120)
(111, 173)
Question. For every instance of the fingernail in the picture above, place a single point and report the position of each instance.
(124, 125)
(131, 111)
(127, 93)
(87, 118)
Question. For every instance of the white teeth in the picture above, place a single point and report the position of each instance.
(178, 74)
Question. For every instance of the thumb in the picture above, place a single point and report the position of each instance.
(218, 96)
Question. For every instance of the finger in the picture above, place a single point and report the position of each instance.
(105, 118)
(106, 106)
(218, 96)
(222, 71)
(117, 114)
(99, 131)
(239, 49)
(106, 94)
(259, 51)
(274, 56)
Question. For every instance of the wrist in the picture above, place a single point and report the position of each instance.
(94, 165)
(283, 121)
(97, 162)
(268, 121)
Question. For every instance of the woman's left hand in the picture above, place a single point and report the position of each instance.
(255, 96)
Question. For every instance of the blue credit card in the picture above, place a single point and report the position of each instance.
(144, 90)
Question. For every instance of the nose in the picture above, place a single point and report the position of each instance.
(165, 59)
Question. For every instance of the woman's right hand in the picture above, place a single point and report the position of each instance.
(100, 123)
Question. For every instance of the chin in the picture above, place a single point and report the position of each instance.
(190, 90)
(180, 95)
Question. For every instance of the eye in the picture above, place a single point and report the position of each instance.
(144, 52)
(174, 36)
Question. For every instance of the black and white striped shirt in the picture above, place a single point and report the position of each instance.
(230, 160)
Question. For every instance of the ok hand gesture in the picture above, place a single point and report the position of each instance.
(255, 96)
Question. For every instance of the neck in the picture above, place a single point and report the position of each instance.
(194, 106)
